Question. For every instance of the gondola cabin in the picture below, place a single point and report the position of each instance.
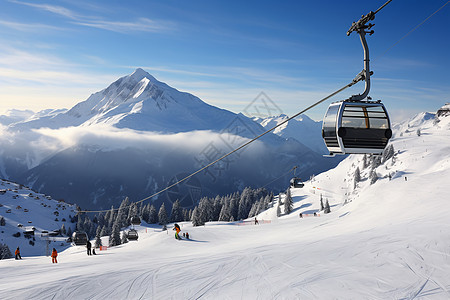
(79, 238)
(352, 127)
(132, 235)
(135, 220)
(296, 183)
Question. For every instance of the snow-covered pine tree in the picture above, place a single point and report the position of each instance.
(176, 214)
(63, 229)
(124, 238)
(98, 237)
(388, 153)
(278, 209)
(225, 211)
(132, 212)
(288, 202)
(196, 217)
(321, 203)
(80, 223)
(376, 161)
(112, 218)
(357, 175)
(327, 207)
(69, 231)
(234, 206)
(203, 213)
(162, 215)
(253, 210)
(364, 162)
(153, 215)
(245, 203)
(373, 177)
(114, 238)
(5, 253)
(105, 231)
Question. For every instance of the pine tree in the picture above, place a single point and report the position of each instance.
(63, 229)
(98, 237)
(162, 215)
(124, 239)
(196, 218)
(80, 223)
(373, 177)
(327, 207)
(376, 161)
(288, 202)
(278, 209)
(105, 231)
(364, 165)
(2, 221)
(152, 215)
(146, 213)
(176, 214)
(357, 176)
(225, 211)
(114, 238)
(388, 153)
(5, 253)
(321, 203)
(132, 212)
(252, 212)
(69, 231)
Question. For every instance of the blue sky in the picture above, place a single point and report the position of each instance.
(54, 54)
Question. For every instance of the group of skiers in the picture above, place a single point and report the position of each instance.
(54, 254)
(177, 228)
(91, 251)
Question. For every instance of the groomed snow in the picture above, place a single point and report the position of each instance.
(390, 241)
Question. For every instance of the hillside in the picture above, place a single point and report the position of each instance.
(35, 216)
(388, 239)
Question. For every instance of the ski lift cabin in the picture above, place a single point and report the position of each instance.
(296, 183)
(132, 235)
(352, 127)
(79, 238)
(135, 220)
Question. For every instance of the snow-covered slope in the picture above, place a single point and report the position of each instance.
(24, 210)
(383, 239)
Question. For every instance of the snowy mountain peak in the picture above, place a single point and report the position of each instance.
(140, 74)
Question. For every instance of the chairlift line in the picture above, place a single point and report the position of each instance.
(359, 26)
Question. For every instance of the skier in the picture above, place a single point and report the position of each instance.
(54, 255)
(17, 253)
(88, 246)
(177, 228)
(187, 235)
(256, 221)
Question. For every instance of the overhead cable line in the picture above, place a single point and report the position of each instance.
(412, 30)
